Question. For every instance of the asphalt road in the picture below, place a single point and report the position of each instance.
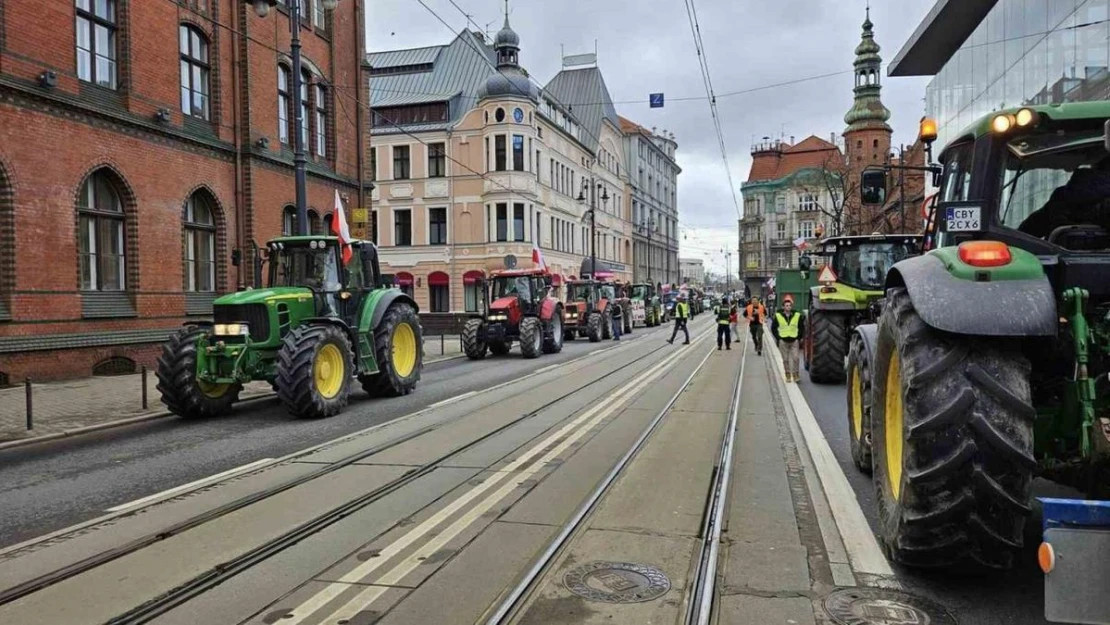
(974, 598)
(53, 485)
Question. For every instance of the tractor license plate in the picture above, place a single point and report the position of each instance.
(963, 219)
(1075, 590)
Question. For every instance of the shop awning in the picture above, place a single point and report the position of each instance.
(438, 278)
(473, 276)
(403, 278)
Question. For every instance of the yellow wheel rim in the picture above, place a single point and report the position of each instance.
(212, 391)
(893, 424)
(404, 350)
(857, 403)
(329, 371)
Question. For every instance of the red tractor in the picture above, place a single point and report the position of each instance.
(588, 310)
(518, 307)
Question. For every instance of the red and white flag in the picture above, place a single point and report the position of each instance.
(537, 258)
(339, 227)
(800, 243)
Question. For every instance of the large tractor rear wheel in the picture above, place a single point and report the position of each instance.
(593, 327)
(182, 392)
(553, 334)
(531, 337)
(830, 346)
(952, 424)
(859, 404)
(474, 345)
(399, 350)
(314, 370)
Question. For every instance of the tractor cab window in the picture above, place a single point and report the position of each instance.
(1057, 187)
(956, 182)
(581, 292)
(512, 286)
(864, 266)
(305, 266)
(608, 292)
(640, 292)
(355, 278)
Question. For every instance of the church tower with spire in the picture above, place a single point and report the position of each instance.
(867, 137)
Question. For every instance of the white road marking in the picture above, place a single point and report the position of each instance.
(863, 548)
(454, 399)
(512, 473)
(113, 513)
(177, 490)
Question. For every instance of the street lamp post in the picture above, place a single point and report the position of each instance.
(647, 225)
(593, 188)
(262, 8)
(728, 270)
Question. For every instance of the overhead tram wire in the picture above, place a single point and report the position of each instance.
(703, 63)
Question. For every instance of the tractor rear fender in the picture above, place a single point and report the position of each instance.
(830, 301)
(549, 308)
(1014, 307)
(373, 311)
(869, 335)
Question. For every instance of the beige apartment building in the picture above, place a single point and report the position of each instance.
(473, 166)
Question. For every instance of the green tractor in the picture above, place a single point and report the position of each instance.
(319, 325)
(647, 308)
(988, 366)
(848, 294)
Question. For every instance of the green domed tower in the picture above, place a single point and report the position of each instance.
(867, 137)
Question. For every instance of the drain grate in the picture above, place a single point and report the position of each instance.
(877, 606)
(617, 582)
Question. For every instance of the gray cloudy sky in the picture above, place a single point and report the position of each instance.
(646, 46)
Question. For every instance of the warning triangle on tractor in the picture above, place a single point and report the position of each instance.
(827, 274)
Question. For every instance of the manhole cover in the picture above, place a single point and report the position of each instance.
(617, 582)
(876, 606)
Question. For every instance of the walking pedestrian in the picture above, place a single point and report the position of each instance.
(787, 327)
(756, 314)
(616, 314)
(681, 315)
(733, 321)
(724, 333)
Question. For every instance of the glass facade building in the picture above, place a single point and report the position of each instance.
(1021, 52)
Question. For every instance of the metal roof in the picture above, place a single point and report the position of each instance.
(458, 71)
(583, 92)
(397, 58)
(947, 26)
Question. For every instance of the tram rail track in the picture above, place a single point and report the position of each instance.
(225, 570)
(512, 605)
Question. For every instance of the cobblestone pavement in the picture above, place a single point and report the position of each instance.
(63, 406)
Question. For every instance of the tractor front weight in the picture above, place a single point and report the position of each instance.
(238, 363)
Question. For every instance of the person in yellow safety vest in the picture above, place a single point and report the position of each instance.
(681, 315)
(787, 328)
(724, 311)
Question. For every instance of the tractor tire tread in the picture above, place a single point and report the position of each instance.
(176, 374)
(967, 460)
(552, 335)
(529, 328)
(295, 376)
(386, 382)
(860, 449)
(593, 327)
(830, 346)
(474, 348)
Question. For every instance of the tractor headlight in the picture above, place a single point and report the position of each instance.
(498, 317)
(231, 329)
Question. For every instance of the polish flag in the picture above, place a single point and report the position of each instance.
(800, 243)
(537, 258)
(339, 227)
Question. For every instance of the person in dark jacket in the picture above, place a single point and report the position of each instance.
(788, 327)
(1085, 199)
(616, 315)
(724, 312)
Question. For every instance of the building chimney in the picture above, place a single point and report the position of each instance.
(791, 139)
(832, 138)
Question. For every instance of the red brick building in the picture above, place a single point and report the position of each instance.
(141, 143)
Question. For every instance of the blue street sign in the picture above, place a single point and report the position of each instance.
(656, 100)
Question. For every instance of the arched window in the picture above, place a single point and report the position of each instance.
(321, 121)
(100, 235)
(439, 294)
(315, 224)
(195, 88)
(306, 80)
(289, 221)
(328, 220)
(200, 244)
(472, 294)
(285, 81)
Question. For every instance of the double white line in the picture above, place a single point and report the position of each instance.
(505, 480)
